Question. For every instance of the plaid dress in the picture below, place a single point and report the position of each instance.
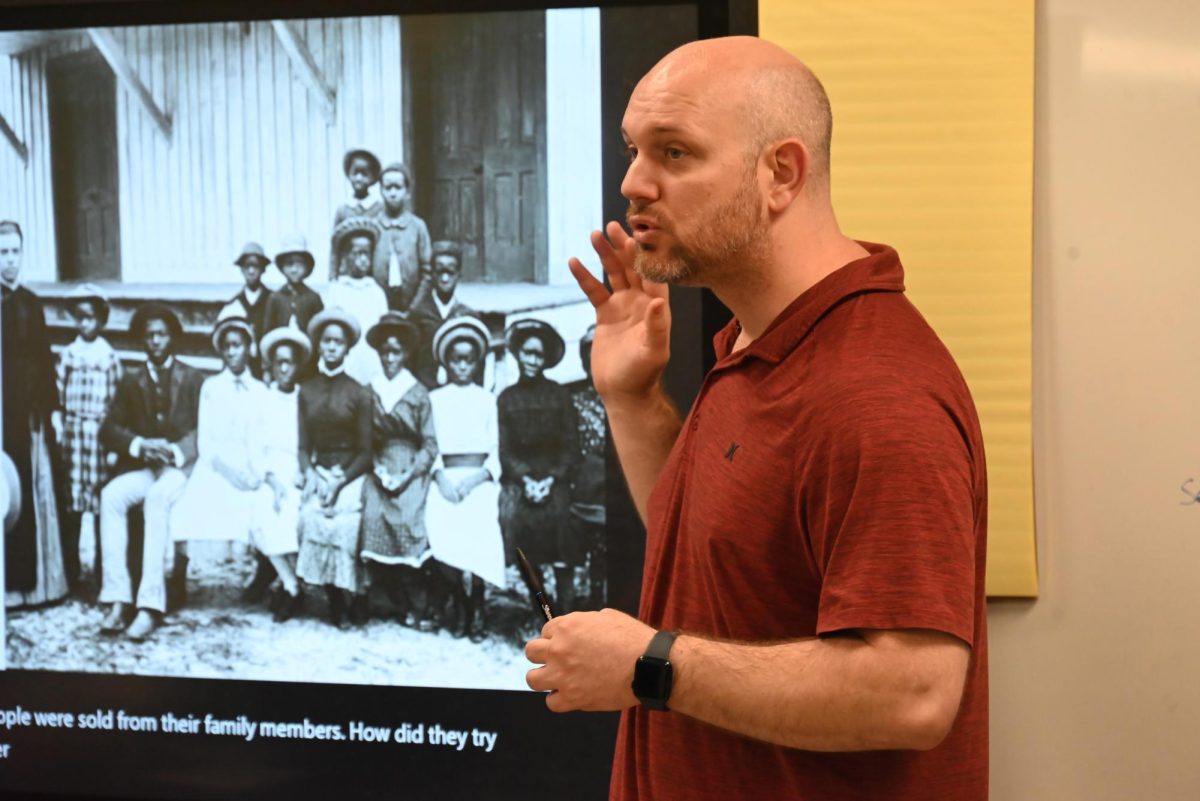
(87, 382)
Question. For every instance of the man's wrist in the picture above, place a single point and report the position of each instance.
(653, 673)
(618, 403)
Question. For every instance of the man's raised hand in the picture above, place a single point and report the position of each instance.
(633, 321)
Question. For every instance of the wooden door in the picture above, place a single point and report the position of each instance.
(83, 156)
(477, 90)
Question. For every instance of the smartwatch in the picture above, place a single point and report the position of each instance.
(652, 673)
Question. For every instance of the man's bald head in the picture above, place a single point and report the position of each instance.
(773, 94)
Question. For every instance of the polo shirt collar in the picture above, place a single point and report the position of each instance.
(879, 271)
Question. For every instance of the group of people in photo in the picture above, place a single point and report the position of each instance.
(351, 438)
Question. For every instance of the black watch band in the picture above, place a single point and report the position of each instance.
(653, 674)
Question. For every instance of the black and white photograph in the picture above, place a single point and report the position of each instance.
(292, 359)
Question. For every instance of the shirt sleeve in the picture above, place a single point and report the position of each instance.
(889, 504)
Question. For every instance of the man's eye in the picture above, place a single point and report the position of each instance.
(674, 153)
(631, 152)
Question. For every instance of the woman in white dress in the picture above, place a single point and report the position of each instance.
(356, 291)
(275, 526)
(462, 511)
(218, 500)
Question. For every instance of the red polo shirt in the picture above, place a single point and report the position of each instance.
(830, 476)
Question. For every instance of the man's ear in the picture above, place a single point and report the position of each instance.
(789, 164)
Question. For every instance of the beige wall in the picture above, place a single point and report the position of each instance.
(1096, 684)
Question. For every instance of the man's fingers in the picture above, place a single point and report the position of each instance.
(610, 259)
(555, 702)
(658, 325)
(596, 292)
(536, 679)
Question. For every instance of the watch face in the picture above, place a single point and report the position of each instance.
(652, 679)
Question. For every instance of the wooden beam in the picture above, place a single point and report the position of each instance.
(14, 140)
(107, 44)
(306, 68)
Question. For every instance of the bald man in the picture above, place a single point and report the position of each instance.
(812, 621)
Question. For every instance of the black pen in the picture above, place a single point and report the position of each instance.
(534, 582)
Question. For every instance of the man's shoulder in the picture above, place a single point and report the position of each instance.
(189, 374)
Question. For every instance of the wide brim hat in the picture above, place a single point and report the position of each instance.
(235, 322)
(456, 328)
(95, 295)
(154, 311)
(371, 158)
(252, 251)
(295, 244)
(335, 315)
(397, 324)
(350, 226)
(516, 334)
(291, 335)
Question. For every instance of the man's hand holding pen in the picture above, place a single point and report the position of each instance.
(586, 660)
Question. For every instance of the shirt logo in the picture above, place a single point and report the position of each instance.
(733, 446)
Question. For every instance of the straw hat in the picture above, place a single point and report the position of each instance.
(335, 315)
(363, 226)
(234, 322)
(395, 324)
(456, 328)
(518, 332)
(252, 251)
(296, 244)
(291, 335)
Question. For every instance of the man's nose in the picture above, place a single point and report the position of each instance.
(639, 185)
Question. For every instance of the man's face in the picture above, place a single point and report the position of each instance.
(461, 361)
(395, 190)
(10, 256)
(333, 345)
(235, 349)
(87, 322)
(357, 259)
(360, 175)
(695, 208)
(283, 366)
(252, 270)
(532, 357)
(294, 268)
(445, 275)
(392, 356)
(156, 337)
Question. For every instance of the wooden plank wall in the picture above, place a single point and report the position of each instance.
(25, 195)
(251, 154)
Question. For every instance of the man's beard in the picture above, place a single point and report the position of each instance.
(735, 234)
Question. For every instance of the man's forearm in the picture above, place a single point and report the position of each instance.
(643, 431)
(894, 690)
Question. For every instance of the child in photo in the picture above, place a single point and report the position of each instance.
(462, 511)
(88, 372)
(295, 303)
(355, 291)
(403, 258)
(362, 170)
(276, 524)
(395, 546)
(216, 502)
(251, 302)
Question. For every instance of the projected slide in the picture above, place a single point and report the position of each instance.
(292, 361)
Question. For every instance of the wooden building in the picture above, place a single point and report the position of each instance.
(158, 150)
(144, 157)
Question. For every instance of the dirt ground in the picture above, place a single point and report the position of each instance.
(218, 636)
